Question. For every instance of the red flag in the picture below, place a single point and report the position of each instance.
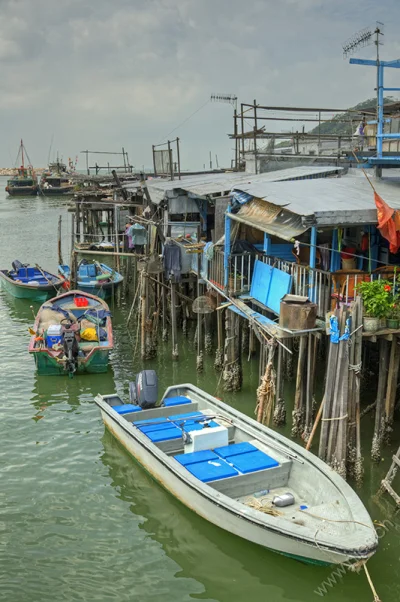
(386, 223)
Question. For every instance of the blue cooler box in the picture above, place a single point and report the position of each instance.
(54, 336)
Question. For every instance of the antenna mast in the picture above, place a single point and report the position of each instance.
(362, 38)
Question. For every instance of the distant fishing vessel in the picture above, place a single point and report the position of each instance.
(56, 180)
(26, 282)
(72, 334)
(93, 277)
(24, 182)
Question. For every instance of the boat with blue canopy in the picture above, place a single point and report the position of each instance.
(26, 282)
(239, 474)
(93, 277)
(72, 334)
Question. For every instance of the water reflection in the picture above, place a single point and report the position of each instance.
(227, 566)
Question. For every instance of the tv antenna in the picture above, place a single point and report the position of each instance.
(363, 38)
(227, 98)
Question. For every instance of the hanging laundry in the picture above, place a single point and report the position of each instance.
(138, 234)
(172, 260)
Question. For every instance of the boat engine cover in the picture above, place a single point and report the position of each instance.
(144, 390)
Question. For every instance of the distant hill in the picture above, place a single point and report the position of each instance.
(337, 127)
(347, 129)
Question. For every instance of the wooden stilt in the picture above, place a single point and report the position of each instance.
(174, 329)
(379, 427)
(298, 411)
(392, 386)
(219, 354)
(280, 409)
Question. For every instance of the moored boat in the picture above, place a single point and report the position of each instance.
(26, 282)
(56, 180)
(93, 277)
(241, 475)
(72, 334)
(24, 182)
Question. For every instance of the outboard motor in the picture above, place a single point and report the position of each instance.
(70, 344)
(143, 391)
(17, 265)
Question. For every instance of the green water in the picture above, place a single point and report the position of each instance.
(80, 520)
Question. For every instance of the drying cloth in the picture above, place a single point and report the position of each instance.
(172, 261)
(325, 256)
(138, 234)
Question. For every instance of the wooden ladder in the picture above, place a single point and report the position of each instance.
(386, 484)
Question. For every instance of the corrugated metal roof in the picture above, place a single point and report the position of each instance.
(222, 183)
(329, 200)
(270, 219)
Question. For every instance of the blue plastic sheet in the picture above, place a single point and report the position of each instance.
(335, 334)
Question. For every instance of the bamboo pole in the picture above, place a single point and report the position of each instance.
(379, 427)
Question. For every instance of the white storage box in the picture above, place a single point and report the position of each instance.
(54, 330)
(207, 438)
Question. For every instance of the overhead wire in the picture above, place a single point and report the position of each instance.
(184, 121)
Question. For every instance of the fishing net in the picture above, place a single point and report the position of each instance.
(203, 305)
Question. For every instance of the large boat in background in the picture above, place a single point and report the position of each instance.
(56, 180)
(24, 182)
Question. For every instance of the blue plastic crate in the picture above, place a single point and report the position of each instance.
(176, 401)
(235, 449)
(253, 461)
(212, 470)
(195, 457)
(126, 408)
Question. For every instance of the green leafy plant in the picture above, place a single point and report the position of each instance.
(377, 298)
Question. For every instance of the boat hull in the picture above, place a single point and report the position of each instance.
(57, 191)
(22, 190)
(21, 291)
(47, 365)
(214, 511)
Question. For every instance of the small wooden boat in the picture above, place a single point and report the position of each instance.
(72, 334)
(25, 282)
(242, 476)
(24, 182)
(93, 277)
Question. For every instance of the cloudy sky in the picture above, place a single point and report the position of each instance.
(102, 74)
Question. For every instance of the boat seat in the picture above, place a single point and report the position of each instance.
(246, 458)
(126, 408)
(176, 401)
(210, 470)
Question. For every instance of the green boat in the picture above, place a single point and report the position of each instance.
(72, 334)
(24, 182)
(33, 283)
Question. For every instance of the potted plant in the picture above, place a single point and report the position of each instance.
(377, 300)
(392, 318)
